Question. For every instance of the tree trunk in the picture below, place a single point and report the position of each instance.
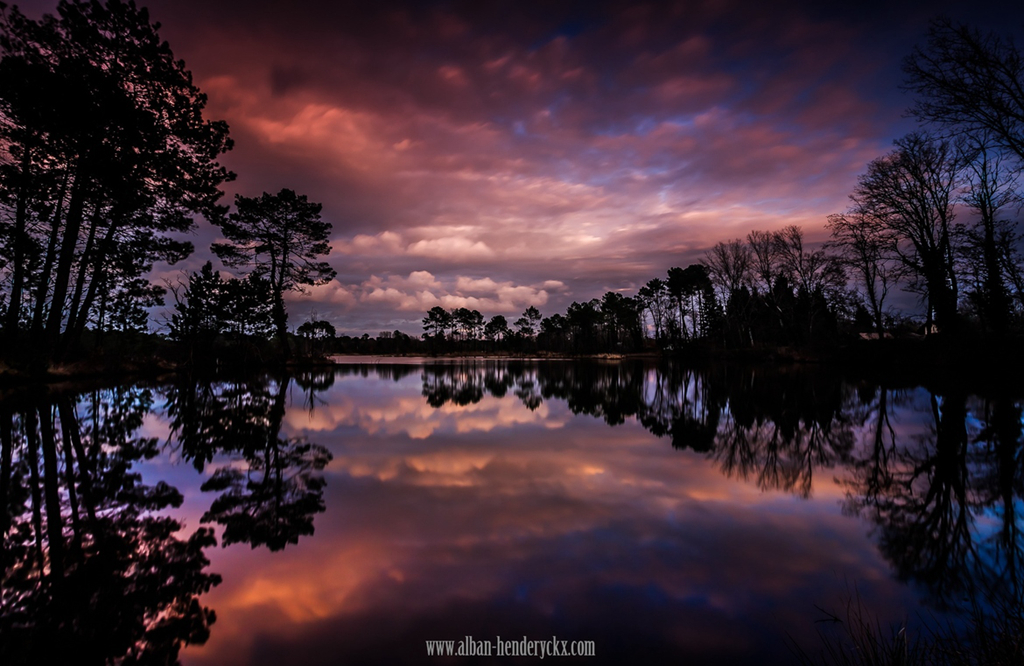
(51, 249)
(78, 320)
(20, 240)
(281, 323)
(65, 262)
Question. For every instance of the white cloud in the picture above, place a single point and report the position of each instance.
(333, 292)
(453, 247)
(421, 290)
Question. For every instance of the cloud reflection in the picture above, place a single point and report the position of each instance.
(532, 522)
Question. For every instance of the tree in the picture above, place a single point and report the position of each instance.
(689, 288)
(728, 266)
(621, 320)
(497, 328)
(676, 285)
(526, 325)
(105, 151)
(582, 320)
(652, 297)
(437, 321)
(970, 82)
(247, 308)
(862, 248)
(971, 85)
(811, 271)
(553, 331)
(317, 329)
(280, 236)
(196, 318)
(909, 195)
(991, 186)
(207, 307)
(469, 322)
(318, 333)
(764, 246)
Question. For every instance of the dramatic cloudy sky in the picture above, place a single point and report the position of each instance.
(497, 155)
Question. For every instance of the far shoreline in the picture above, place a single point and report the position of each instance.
(901, 361)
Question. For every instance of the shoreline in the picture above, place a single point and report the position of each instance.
(927, 360)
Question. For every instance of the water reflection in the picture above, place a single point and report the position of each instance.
(91, 570)
(946, 497)
(271, 493)
(947, 500)
(775, 429)
(94, 568)
(487, 498)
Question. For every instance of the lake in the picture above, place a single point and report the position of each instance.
(640, 511)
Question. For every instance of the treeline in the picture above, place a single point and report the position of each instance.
(105, 158)
(937, 216)
(767, 291)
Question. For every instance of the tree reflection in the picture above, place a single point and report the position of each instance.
(92, 572)
(945, 494)
(269, 486)
(778, 429)
(946, 501)
(458, 384)
(93, 569)
(781, 428)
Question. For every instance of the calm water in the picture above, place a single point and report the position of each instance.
(351, 516)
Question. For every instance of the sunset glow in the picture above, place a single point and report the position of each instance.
(506, 155)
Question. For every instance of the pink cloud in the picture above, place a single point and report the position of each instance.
(478, 143)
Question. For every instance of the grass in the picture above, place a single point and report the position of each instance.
(992, 636)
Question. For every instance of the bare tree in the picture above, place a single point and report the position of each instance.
(810, 270)
(909, 195)
(971, 82)
(729, 266)
(991, 187)
(861, 245)
(764, 245)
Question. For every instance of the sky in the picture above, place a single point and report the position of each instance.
(501, 155)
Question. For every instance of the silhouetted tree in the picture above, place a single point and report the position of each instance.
(728, 266)
(279, 236)
(469, 322)
(197, 309)
(526, 325)
(247, 308)
(653, 298)
(317, 333)
(496, 329)
(969, 82)
(583, 320)
(106, 152)
(991, 187)
(862, 246)
(764, 248)
(554, 332)
(909, 196)
(207, 307)
(437, 321)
